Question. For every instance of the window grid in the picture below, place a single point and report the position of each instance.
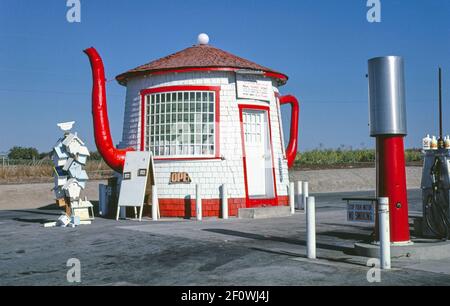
(180, 124)
(252, 128)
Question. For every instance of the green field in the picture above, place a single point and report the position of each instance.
(330, 157)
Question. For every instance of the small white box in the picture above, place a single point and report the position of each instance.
(63, 221)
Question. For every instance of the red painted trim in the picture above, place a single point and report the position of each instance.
(167, 89)
(143, 123)
(257, 202)
(121, 78)
(114, 157)
(179, 88)
(185, 208)
(291, 151)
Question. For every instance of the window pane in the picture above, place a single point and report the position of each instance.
(180, 123)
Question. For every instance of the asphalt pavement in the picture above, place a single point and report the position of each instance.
(210, 252)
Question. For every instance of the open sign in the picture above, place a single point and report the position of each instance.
(179, 178)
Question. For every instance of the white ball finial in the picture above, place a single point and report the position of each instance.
(203, 39)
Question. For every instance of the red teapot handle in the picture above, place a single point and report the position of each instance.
(291, 151)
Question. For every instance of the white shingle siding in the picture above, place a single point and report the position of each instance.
(211, 174)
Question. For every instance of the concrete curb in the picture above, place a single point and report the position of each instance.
(264, 212)
(422, 249)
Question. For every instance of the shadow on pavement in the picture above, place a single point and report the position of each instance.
(347, 236)
(346, 260)
(364, 228)
(53, 213)
(277, 239)
(41, 221)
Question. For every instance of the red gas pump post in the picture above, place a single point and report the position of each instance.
(388, 125)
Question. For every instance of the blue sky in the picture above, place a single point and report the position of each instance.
(323, 45)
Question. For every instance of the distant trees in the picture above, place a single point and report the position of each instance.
(95, 156)
(43, 155)
(23, 153)
(32, 153)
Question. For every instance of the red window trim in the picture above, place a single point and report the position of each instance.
(167, 89)
(257, 202)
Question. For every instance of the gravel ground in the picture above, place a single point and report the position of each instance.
(26, 196)
(344, 180)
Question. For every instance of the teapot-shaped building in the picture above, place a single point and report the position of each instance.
(209, 118)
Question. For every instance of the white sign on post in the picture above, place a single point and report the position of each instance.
(134, 181)
(248, 87)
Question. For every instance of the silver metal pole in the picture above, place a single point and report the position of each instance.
(292, 197)
(224, 202)
(311, 227)
(198, 202)
(385, 238)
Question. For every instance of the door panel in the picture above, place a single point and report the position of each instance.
(258, 154)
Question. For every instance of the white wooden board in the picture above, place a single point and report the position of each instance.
(249, 87)
(134, 179)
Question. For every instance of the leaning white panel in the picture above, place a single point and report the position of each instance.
(134, 179)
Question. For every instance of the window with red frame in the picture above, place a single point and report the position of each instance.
(180, 124)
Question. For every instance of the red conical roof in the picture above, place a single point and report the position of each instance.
(197, 58)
